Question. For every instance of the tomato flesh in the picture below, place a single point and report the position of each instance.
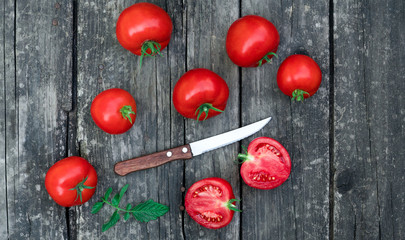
(268, 164)
(206, 202)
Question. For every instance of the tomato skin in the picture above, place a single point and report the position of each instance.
(64, 175)
(263, 169)
(251, 38)
(197, 87)
(299, 72)
(202, 204)
(143, 22)
(105, 110)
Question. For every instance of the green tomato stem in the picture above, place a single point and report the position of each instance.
(266, 58)
(80, 188)
(154, 47)
(298, 95)
(205, 108)
(126, 112)
(231, 206)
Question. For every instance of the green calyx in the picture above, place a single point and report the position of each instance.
(205, 108)
(243, 157)
(231, 206)
(266, 58)
(298, 95)
(80, 188)
(154, 47)
(126, 112)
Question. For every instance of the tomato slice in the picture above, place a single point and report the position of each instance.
(266, 165)
(209, 202)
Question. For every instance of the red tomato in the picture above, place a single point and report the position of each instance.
(71, 181)
(266, 164)
(114, 110)
(200, 94)
(299, 77)
(252, 41)
(209, 202)
(144, 29)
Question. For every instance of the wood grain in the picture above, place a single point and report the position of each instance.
(369, 120)
(298, 209)
(102, 64)
(38, 94)
(207, 24)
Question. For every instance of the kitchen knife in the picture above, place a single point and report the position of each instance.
(189, 150)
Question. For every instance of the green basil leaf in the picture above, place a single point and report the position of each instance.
(149, 210)
(113, 220)
(116, 200)
(122, 192)
(107, 194)
(96, 207)
(127, 215)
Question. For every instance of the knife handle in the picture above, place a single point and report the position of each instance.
(152, 160)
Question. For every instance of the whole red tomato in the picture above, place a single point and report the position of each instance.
(71, 181)
(209, 202)
(266, 164)
(252, 41)
(299, 77)
(114, 110)
(200, 94)
(144, 29)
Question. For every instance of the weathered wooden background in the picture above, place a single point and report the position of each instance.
(346, 142)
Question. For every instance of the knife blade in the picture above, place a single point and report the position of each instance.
(189, 150)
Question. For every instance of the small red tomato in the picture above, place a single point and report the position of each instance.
(144, 29)
(200, 94)
(114, 110)
(209, 202)
(299, 77)
(252, 41)
(71, 181)
(266, 164)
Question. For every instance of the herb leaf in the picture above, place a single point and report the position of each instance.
(143, 212)
(149, 210)
(107, 194)
(96, 207)
(113, 220)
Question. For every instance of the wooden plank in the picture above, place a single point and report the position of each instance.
(207, 24)
(104, 64)
(37, 83)
(369, 120)
(298, 209)
(3, 176)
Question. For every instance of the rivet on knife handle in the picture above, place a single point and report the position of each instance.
(153, 160)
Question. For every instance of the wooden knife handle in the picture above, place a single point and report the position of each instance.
(152, 160)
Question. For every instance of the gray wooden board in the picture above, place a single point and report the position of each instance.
(298, 209)
(37, 82)
(104, 64)
(207, 22)
(369, 201)
(3, 176)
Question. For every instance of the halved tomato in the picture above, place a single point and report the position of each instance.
(209, 202)
(266, 164)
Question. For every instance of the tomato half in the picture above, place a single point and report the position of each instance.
(71, 181)
(299, 77)
(209, 202)
(266, 164)
(114, 110)
(200, 94)
(144, 29)
(252, 41)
